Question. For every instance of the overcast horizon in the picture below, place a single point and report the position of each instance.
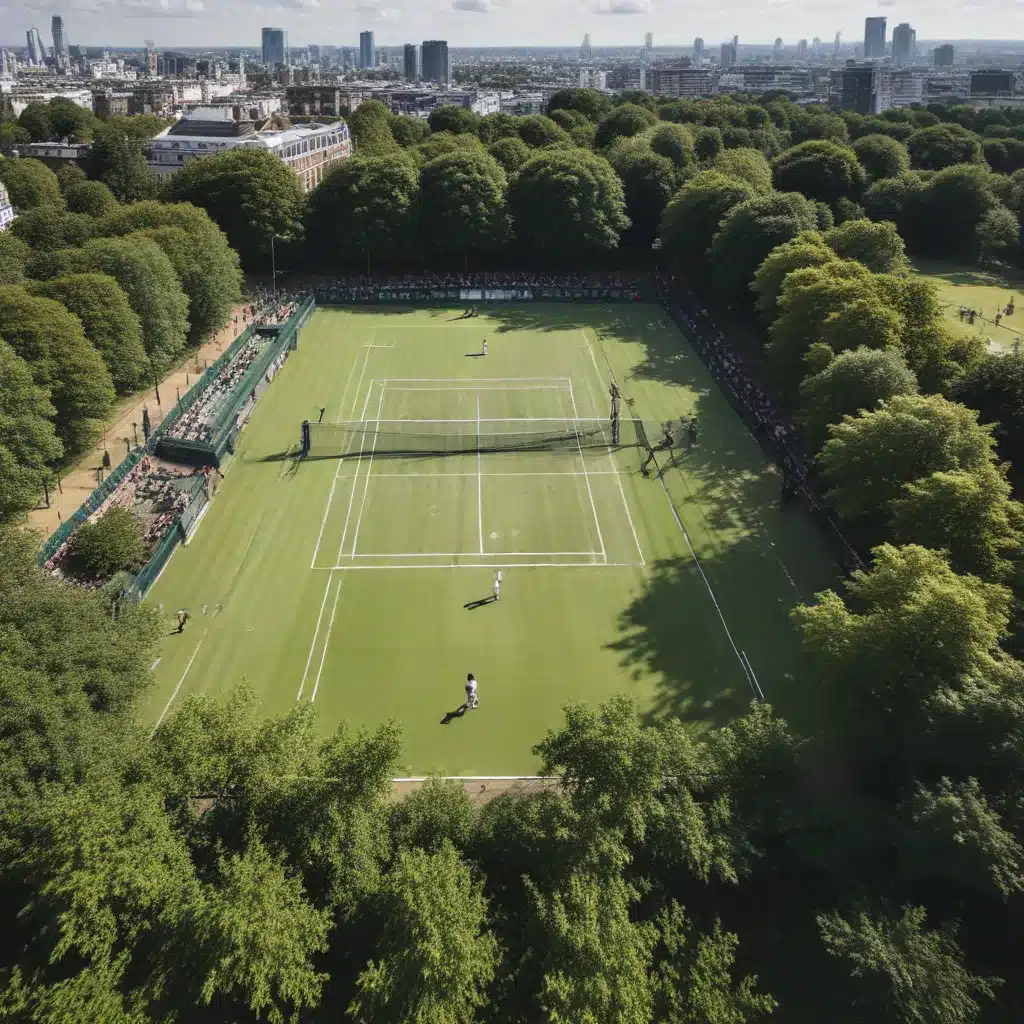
(467, 23)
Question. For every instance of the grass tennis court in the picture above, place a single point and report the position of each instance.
(355, 582)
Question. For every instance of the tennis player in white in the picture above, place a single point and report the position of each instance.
(497, 586)
(472, 700)
(485, 347)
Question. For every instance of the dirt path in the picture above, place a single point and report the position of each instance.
(79, 481)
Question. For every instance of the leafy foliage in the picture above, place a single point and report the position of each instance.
(30, 183)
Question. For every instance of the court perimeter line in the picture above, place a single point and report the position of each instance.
(180, 681)
(537, 387)
(481, 778)
(435, 476)
(366, 486)
(700, 569)
(464, 554)
(359, 466)
(312, 645)
(327, 640)
(479, 479)
(462, 380)
(350, 567)
(611, 460)
(583, 462)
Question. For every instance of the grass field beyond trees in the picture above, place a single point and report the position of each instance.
(345, 581)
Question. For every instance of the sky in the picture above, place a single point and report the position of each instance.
(497, 22)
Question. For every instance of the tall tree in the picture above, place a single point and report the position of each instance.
(819, 170)
(511, 153)
(625, 120)
(111, 326)
(463, 204)
(943, 145)
(28, 444)
(52, 342)
(748, 165)
(565, 203)
(881, 156)
(250, 194)
(869, 458)
(536, 130)
(14, 255)
(450, 117)
(878, 246)
(48, 227)
(808, 249)
(995, 387)
(648, 183)
(365, 209)
(116, 159)
(902, 971)
(593, 104)
(675, 141)
(30, 183)
(435, 957)
(91, 197)
(370, 123)
(748, 233)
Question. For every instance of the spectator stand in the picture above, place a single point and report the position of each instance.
(169, 493)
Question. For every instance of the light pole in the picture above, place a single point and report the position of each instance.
(273, 263)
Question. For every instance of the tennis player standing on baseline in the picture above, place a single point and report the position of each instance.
(471, 698)
(497, 586)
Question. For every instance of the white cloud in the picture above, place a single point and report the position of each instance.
(475, 6)
(624, 7)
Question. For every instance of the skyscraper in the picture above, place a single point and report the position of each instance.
(367, 50)
(435, 61)
(36, 52)
(942, 56)
(60, 42)
(777, 48)
(698, 48)
(904, 44)
(586, 50)
(874, 37)
(410, 62)
(801, 49)
(649, 42)
(728, 54)
(275, 47)
(315, 54)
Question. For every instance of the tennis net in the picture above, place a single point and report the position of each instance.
(455, 437)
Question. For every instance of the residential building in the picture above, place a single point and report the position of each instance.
(728, 55)
(648, 45)
(586, 50)
(435, 61)
(309, 149)
(992, 82)
(592, 78)
(151, 58)
(275, 47)
(904, 44)
(698, 49)
(874, 38)
(801, 49)
(20, 96)
(410, 62)
(680, 81)
(805, 82)
(627, 77)
(56, 154)
(777, 48)
(314, 53)
(6, 209)
(942, 56)
(367, 51)
(314, 100)
(864, 89)
(36, 50)
(107, 104)
(907, 88)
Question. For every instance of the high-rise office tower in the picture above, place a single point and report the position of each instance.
(275, 47)
(315, 54)
(816, 46)
(36, 53)
(942, 56)
(698, 48)
(435, 61)
(904, 44)
(409, 62)
(60, 42)
(367, 50)
(801, 49)
(777, 48)
(586, 50)
(728, 55)
(874, 37)
(649, 42)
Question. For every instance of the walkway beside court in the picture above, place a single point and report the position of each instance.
(79, 481)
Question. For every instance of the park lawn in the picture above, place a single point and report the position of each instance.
(346, 581)
(986, 291)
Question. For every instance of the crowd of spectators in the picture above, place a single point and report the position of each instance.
(155, 492)
(412, 286)
(196, 423)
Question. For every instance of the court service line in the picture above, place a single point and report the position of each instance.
(350, 567)
(586, 474)
(464, 380)
(465, 554)
(479, 479)
(337, 471)
(167, 706)
(316, 633)
(486, 419)
(359, 466)
(366, 486)
(534, 387)
(611, 462)
(435, 476)
(327, 640)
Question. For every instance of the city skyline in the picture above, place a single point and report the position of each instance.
(216, 23)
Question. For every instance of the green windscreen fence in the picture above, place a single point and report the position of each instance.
(231, 415)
